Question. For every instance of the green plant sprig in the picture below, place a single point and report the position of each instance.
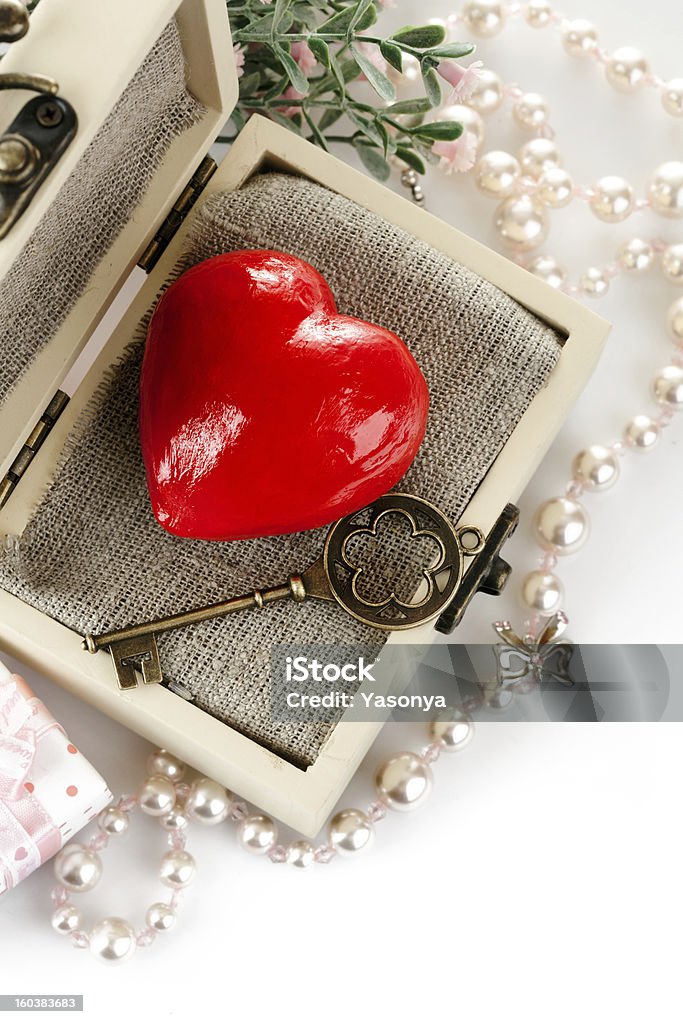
(337, 34)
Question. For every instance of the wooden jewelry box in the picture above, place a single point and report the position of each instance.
(157, 207)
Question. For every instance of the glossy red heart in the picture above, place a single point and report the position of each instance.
(262, 409)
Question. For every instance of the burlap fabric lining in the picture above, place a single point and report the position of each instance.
(93, 555)
(95, 202)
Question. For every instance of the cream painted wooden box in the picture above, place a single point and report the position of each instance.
(92, 77)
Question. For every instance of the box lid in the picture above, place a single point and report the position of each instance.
(109, 62)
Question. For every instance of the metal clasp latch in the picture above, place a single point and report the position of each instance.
(39, 134)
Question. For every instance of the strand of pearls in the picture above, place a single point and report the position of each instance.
(78, 866)
(626, 68)
(402, 783)
(528, 187)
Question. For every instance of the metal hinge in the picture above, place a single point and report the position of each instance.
(179, 211)
(32, 444)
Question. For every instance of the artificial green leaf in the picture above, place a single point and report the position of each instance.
(292, 69)
(439, 131)
(249, 83)
(281, 7)
(368, 128)
(261, 28)
(359, 14)
(349, 71)
(276, 89)
(417, 106)
(320, 50)
(432, 86)
(340, 22)
(453, 50)
(306, 14)
(372, 159)
(379, 82)
(410, 157)
(329, 117)
(421, 38)
(388, 144)
(391, 54)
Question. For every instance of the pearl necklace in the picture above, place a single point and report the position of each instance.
(403, 782)
(527, 188)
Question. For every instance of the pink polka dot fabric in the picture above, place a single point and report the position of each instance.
(48, 790)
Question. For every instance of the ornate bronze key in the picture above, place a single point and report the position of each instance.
(446, 585)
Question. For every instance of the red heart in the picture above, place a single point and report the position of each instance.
(263, 410)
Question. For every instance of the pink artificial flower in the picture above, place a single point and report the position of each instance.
(387, 5)
(239, 59)
(458, 155)
(303, 55)
(290, 94)
(462, 79)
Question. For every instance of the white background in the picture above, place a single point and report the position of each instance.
(542, 881)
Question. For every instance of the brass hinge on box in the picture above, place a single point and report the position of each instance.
(179, 211)
(32, 444)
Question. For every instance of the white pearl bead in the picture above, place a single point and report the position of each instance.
(521, 222)
(77, 868)
(672, 263)
(675, 321)
(174, 821)
(596, 468)
(177, 869)
(404, 781)
(113, 821)
(163, 763)
(113, 939)
(636, 255)
(351, 832)
(487, 94)
(549, 270)
(579, 37)
(157, 796)
(642, 433)
(469, 119)
(484, 17)
(453, 729)
(672, 97)
(627, 69)
(496, 173)
(538, 13)
(593, 282)
(665, 189)
(66, 919)
(613, 199)
(257, 833)
(539, 155)
(161, 917)
(530, 111)
(555, 188)
(561, 525)
(208, 802)
(668, 388)
(542, 592)
(300, 854)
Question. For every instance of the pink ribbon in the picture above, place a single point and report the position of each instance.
(28, 835)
